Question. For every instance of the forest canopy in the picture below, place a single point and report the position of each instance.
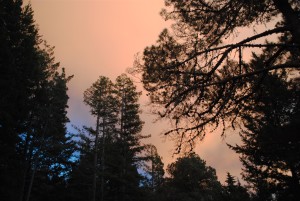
(194, 76)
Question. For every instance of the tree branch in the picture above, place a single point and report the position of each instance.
(280, 66)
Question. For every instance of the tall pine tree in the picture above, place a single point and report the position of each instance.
(33, 107)
(115, 145)
(104, 107)
(129, 138)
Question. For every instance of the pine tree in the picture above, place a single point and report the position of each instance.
(153, 172)
(234, 191)
(53, 147)
(18, 73)
(270, 142)
(154, 168)
(81, 178)
(104, 107)
(116, 139)
(129, 137)
(191, 179)
(33, 105)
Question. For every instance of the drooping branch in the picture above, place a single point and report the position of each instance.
(230, 47)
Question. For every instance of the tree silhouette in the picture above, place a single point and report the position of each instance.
(197, 79)
(104, 107)
(233, 190)
(190, 179)
(116, 139)
(270, 142)
(129, 141)
(154, 167)
(33, 116)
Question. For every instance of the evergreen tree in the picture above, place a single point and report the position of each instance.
(234, 191)
(154, 168)
(116, 140)
(153, 171)
(19, 70)
(50, 163)
(190, 179)
(33, 106)
(104, 106)
(129, 138)
(270, 142)
(80, 184)
(44, 145)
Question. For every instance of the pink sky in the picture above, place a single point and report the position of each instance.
(101, 37)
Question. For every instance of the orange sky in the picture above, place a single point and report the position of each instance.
(101, 37)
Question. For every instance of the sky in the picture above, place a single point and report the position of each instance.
(95, 38)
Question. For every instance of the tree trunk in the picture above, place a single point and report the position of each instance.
(35, 164)
(25, 168)
(152, 169)
(31, 182)
(123, 164)
(94, 187)
(102, 161)
(22, 189)
(28, 153)
(291, 18)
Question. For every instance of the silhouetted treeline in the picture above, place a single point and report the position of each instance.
(40, 160)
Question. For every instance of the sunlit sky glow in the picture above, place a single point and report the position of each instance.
(102, 37)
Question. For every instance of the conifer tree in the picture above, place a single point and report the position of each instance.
(129, 137)
(104, 107)
(233, 190)
(18, 75)
(191, 179)
(82, 175)
(270, 142)
(116, 139)
(33, 105)
(154, 167)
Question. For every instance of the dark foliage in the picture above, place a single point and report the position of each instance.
(271, 143)
(110, 159)
(190, 179)
(192, 73)
(234, 191)
(33, 103)
(200, 81)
